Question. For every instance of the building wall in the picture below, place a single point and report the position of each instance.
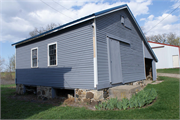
(131, 58)
(164, 55)
(75, 60)
(146, 53)
(149, 56)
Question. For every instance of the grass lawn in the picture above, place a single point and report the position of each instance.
(165, 107)
(171, 70)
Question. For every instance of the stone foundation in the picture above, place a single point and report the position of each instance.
(122, 91)
(20, 89)
(89, 96)
(44, 92)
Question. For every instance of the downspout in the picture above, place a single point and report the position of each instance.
(95, 54)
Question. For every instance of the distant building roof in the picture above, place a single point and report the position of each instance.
(163, 44)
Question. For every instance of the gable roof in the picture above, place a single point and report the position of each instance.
(88, 17)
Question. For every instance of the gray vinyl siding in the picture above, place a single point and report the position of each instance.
(147, 54)
(75, 60)
(131, 56)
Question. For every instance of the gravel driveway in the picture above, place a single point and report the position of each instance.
(169, 75)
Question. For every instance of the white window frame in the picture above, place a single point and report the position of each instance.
(48, 53)
(32, 60)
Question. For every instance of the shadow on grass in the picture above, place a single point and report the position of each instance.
(16, 109)
(166, 107)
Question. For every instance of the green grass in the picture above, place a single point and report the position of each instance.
(165, 107)
(171, 70)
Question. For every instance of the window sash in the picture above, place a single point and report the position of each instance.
(52, 54)
(34, 57)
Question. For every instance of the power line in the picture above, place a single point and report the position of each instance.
(55, 9)
(163, 19)
(60, 5)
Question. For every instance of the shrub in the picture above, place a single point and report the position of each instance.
(119, 105)
(140, 99)
(132, 101)
(125, 103)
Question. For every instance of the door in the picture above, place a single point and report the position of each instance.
(115, 61)
(175, 61)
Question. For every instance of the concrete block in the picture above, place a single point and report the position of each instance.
(124, 91)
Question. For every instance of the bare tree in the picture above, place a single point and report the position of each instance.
(37, 31)
(170, 38)
(161, 38)
(1, 63)
(10, 68)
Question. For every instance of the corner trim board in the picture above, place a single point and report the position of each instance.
(95, 55)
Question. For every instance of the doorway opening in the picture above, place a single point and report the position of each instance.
(148, 68)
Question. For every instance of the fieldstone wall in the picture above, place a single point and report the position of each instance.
(89, 96)
(44, 92)
(122, 91)
(20, 89)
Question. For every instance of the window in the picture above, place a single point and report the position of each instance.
(125, 22)
(52, 54)
(122, 20)
(34, 57)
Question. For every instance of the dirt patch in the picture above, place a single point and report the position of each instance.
(157, 82)
(6, 82)
(169, 75)
(12, 87)
(69, 101)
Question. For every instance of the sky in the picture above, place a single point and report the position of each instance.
(19, 17)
